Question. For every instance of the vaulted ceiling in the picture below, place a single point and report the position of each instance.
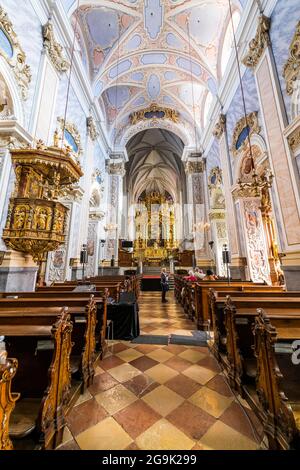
(155, 164)
(138, 52)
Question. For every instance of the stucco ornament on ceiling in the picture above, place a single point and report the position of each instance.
(145, 51)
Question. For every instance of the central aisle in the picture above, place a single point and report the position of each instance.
(159, 397)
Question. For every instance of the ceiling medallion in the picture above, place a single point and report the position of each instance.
(154, 112)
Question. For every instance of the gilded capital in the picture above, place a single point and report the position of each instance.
(220, 127)
(192, 167)
(294, 139)
(115, 168)
(291, 71)
(154, 112)
(259, 43)
(54, 49)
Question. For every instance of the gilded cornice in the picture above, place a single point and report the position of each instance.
(259, 43)
(158, 112)
(115, 168)
(239, 193)
(194, 167)
(73, 130)
(294, 139)
(252, 121)
(220, 127)
(216, 216)
(54, 49)
(291, 71)
(17, 62)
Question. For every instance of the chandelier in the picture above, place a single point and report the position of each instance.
(258, 183)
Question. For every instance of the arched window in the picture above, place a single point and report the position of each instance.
(228, 41)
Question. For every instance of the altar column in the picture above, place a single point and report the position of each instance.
(198, 203)
(238, 261)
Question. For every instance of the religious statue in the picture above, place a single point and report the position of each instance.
(41, 220)
(19, 218)
(59, 222)
(56, 138)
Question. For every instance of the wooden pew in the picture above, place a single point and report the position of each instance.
(83, 311)
(202, 299)
(194, 296)
(216, 310)
(7, 401)
(278, 382)
(61, 295)
(250, 371)
(112, 289)
(43, 378)
(237, 347)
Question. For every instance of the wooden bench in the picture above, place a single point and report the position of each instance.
(217, 299)
(106, 289)
(84, 315)
(236, 346)
(278, 381)
(250, 371)
(7, 401)
(43, 379)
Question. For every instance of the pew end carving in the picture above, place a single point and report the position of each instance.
(7, 401)
(280, 424)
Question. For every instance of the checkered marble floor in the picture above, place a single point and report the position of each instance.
(159, 397)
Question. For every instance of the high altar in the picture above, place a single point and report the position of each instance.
(155, 228)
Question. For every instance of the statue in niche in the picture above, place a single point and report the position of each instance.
(59, 222)
(41, 220)
(56, 139)
(19, 218)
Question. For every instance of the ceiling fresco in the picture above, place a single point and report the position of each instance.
(139, 52)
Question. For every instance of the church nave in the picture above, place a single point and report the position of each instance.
(156, 397)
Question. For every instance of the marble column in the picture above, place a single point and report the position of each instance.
(93, 242)
(86, 181)
(58, 264)
(238, 261)
(115, 168)
(220, 238)
(285, 191)
(198, 207)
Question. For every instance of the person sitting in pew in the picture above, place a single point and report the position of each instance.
(210, 276)
(191, 277)
(199, 274)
